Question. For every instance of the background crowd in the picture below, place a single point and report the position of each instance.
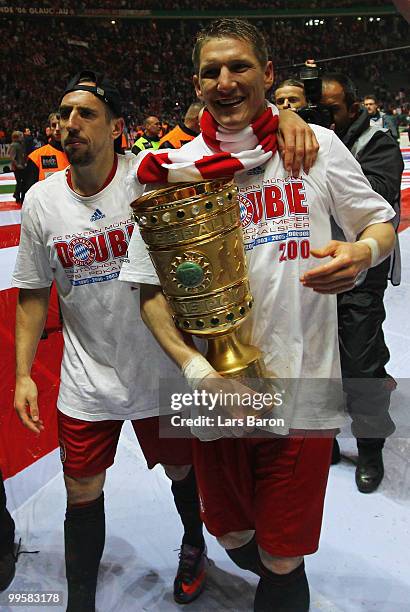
(150, 60)
(189, 4)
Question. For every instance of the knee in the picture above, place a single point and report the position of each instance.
(279, 565)
(236, 539)
(80, 490)
(177, 472)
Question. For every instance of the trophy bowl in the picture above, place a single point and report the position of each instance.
(194, 238)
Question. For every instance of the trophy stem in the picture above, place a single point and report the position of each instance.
(231, 358)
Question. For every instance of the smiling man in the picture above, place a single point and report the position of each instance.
(263, 497)
(233, 107)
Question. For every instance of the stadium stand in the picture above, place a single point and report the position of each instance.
(135, 52)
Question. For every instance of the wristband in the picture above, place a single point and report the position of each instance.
(195, 370)
(374, 250)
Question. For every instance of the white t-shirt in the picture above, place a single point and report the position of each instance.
(111, 363)
(282, 219)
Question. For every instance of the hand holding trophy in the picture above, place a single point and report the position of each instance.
(194, 237)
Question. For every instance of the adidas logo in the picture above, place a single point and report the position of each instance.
(97, 215)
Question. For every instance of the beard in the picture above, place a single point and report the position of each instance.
(79, 158)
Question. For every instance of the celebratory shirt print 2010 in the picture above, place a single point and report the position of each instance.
(94, 256)
(276, 211)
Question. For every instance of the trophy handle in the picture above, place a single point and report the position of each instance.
(231, 358)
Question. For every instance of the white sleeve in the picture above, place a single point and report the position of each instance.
(138, 267)
(354, 204)
(33, 269)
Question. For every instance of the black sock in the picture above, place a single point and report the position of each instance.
(84, 536)
(282, 592)
(187, 503)
(370, 446)
(6, 524)
(246, 557)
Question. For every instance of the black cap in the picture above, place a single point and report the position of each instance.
(104, 89)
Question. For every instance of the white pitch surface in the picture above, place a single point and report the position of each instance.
(364, 559)
(8, 261)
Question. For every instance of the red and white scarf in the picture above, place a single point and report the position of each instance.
(234, 152)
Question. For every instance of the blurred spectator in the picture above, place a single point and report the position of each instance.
(290, 94)
(183, 132)
(150, 139)
(28, 141)
(18, 158)
(48, 133)
(378, 118)
(47, 159)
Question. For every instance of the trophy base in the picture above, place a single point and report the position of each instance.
(232, 359)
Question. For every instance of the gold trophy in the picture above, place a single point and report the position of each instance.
(194, 237)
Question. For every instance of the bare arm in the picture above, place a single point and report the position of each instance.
(349, 259)
(30, 318)
(297, 142)
(157, 316)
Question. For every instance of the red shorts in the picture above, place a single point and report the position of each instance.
(274, 486)
(88, 447)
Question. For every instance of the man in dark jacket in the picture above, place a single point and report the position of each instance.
(361, 313)
(17, 154)
(28, 140)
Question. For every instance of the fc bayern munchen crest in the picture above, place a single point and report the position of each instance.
(245, 209)
(81, 251)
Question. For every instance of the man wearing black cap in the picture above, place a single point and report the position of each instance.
(75, 229)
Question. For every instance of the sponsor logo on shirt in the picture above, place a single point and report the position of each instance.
(49, 161)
